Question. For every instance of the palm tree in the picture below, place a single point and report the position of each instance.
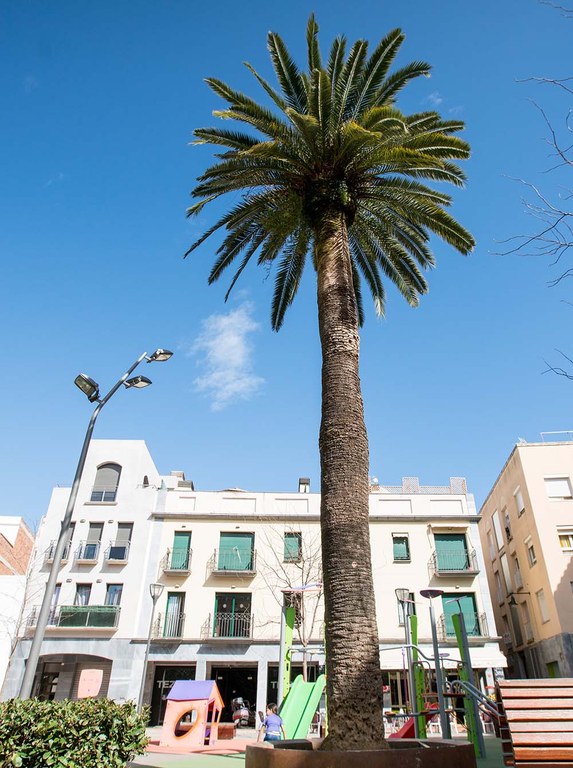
(333, 171)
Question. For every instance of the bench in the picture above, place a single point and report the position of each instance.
(536, 722)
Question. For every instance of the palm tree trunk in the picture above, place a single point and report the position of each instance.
(354, 680)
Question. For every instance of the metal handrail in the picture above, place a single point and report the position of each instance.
(233, 562)
(238, 624)
(117, 551)
(168, 625)
(88, 550)
(444, 562)
(75, 616)
(177, 560)
(477, 628)
(52, 548)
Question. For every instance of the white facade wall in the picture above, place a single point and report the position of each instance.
(168, 505)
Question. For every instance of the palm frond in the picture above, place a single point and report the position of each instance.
(287, 73)
(314, 59)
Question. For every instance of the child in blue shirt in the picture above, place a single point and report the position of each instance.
(272, 725)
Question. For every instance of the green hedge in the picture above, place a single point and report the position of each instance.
(91, 733)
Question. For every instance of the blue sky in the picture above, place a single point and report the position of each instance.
(99, 101)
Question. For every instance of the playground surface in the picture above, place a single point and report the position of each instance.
(236, 759)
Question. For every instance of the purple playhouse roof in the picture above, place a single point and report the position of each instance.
(191, 690)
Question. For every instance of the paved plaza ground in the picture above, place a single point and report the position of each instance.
(493, 758)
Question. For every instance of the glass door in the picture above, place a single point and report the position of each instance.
(174, 614)
(232, 615)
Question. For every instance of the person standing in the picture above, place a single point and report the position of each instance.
(272, 725)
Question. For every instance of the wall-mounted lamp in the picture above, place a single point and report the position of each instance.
(511, 596)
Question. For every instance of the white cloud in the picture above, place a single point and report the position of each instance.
(224, 351)
(435, 98)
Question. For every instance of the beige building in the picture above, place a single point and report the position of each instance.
(224, 559)
(526, 529)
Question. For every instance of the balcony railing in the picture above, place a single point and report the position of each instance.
(88, 551)
(169, 625)
(52, 549)
(73, 616)
(454, 563)
(177, 561)
(476, 626)
(228, 625)
(507, 639)
(117, 552)
(101, 493)
(233, 561)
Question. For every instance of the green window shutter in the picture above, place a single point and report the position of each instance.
(467, 604)
(451, 551)
(292, 547)
(181, 547)
(401, 547)
(236, 552)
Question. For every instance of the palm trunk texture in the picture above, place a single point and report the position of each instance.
(354, 680)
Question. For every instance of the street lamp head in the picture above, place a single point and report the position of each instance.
(159, 356)
(89, 387)
(431, 593)
(156, 590)
(138, 382)
(402, 595)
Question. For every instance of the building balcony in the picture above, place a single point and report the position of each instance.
(169, 625)
(455, 563)
(476, 627)
(228, 626)
(78, 616)
(87, 552)
(49, 555)
(176, 561)
(117, 553)
(232, 562)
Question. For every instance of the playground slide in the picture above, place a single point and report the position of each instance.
(299, 706)
(408, 731)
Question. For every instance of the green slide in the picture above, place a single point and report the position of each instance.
(299, 706)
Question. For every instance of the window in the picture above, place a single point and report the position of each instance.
(507, 525)
(517, 573)
(492, 552)
(506, 574)
(499, 587)
(451, 551)
(83, 592)
(119, 550)
(232, 615)
(113, 594)
(106, 482)
(543, 610)
(292, 547)
(565, 539)
(519, 505)
(236, 551)
(181, 551)
(558, 487)
(497, 529)
(454, 602)
(531, 556)
(406, 609)
(527, 628)
(401, 547)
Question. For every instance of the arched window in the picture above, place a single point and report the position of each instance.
(145, 481)
(106, 482)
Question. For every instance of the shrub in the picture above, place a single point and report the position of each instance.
(90, 733)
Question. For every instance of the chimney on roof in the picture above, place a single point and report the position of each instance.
(304, 485)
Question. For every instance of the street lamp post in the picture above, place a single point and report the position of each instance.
(155, 590)
(91, 390)
(444, 720)
(403, 597)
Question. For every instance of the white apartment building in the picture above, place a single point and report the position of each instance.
(224, 559)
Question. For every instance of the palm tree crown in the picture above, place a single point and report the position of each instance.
(335, 141)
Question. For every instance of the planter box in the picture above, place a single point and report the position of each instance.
(403, 753)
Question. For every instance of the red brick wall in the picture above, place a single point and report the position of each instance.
(15, 559)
